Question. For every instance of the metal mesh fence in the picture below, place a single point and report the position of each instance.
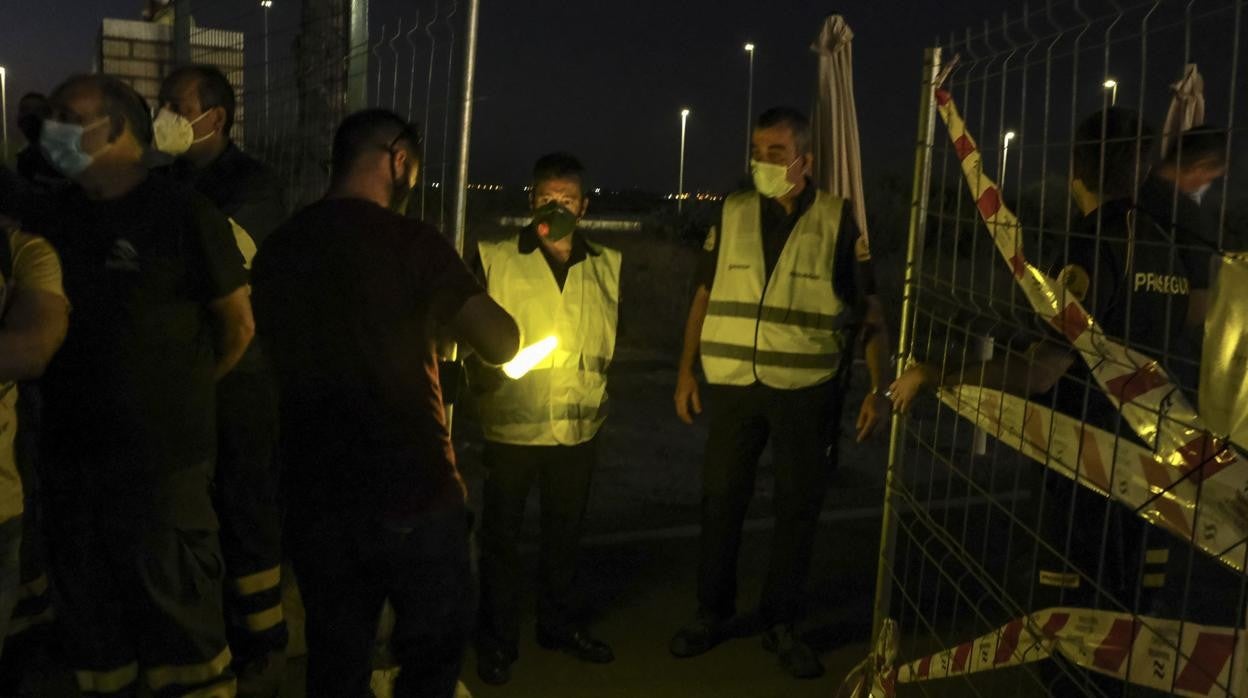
(1063, 520)
(300, 70)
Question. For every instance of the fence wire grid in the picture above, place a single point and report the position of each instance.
(986, 534)
(302, 67)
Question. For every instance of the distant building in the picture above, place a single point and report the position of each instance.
(141, 53)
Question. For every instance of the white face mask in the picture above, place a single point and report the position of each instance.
(1199, 195)
(772, 181)
(175, 134)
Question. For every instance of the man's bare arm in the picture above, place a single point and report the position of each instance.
(33, 330)
(1036, 371)
(487, 329)
(235, 327)
(687, 398)
(874, 411)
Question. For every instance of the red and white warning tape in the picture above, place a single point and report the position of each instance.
(1108, 464)
(1182, 658)
(1196, 484)
(1186, 481)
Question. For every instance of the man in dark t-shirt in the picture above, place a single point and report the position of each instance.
(351, 297)
(160, 312)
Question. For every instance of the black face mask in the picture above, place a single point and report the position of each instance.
(29, 125)
(554, 222)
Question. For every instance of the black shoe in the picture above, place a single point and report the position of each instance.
(494, 666)
(576, 642)
(698, 636)
(796, 656)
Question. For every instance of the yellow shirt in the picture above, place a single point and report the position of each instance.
(36, 268)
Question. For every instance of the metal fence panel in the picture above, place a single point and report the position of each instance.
(1083, 550)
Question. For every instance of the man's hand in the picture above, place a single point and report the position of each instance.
(908, 386)
(687, 396)
(484, 379)
(872, 416)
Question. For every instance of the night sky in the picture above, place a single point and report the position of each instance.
(605, 80)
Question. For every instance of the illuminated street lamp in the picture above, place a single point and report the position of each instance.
(1005, 155)
(4, 110)
(749, 107)
(1111, 85)
(680, 182)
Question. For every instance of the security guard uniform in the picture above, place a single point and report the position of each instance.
(543, 425)
(774, 346)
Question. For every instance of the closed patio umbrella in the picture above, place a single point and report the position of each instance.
(838, 158)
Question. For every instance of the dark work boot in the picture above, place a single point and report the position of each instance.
(576, 642)
(796, 657)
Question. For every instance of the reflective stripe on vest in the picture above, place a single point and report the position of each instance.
(563, 400)
(786, 331)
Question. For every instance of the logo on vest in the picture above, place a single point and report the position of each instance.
(805, 275)
(123, 256)
(738, 267)
(1169, 284)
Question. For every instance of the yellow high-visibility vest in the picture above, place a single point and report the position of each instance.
(786, 331)
(562, 400)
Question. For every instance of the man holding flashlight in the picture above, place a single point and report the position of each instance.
(564, 292)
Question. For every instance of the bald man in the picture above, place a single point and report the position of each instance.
(160, 312)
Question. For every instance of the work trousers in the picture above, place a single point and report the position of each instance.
(799, 423)
(562, 474)
(348, 565)
(10, 572)
(29, 630)
(247, 502)
(1099, 554)
(139, 595)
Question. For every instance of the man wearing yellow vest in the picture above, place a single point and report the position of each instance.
(785, 283)
(541, 426)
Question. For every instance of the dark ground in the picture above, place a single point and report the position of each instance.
(638, 563)
(641, 531)
(639, 559)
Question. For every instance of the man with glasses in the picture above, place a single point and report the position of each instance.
(351, 297)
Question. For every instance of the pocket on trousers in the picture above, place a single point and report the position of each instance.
(199, 564)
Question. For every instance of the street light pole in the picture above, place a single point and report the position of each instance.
(1112, 85)
(1005, 156)
(4, 110)
(267, 5)
(680, 182)
(749, 107)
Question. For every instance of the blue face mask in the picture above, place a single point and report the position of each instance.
(62, 145)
